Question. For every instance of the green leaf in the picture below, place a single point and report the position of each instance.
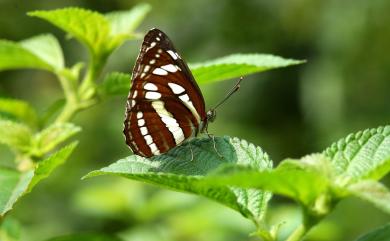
(363, 155)
(184, 167)
(18, 110)
(15, 56)
(15, 184)
(232, 66)
(41, 52)
(53, 135)
(86, 237)
(45, 167)
(90, 28)
(115, 83)
(379, 234)
(302, 180)
(125, 22)
(47, 48)
(237, 65)
(373, 192)
(16, 135)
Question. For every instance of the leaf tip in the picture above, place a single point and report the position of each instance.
(144, 6)
(91, 174)
(33, 13)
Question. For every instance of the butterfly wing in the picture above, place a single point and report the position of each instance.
(165, 105)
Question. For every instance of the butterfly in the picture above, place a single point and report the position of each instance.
(165, 106)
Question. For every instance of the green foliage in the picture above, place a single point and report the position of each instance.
(227, 170)
(380, 234)
(53, 135)
(372, 192)
(20, 137)
(15, 56)
(292, 178)
(364, 155)
(31, 136)
(228, 67)
(47, 48)
(124, 23)
(16, 135)
(90, 28)
(317, 175)
(18, 110)
(237, 65)
(45, 167)
(185, 166)
(39, 52)
(115, 83)
(15, 183)
(316, 181)
(100, 33)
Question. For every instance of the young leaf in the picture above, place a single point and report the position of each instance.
(115, 83)
(15, 56)
(184, 167)
(373, 192)
(47, 48)
(125, 22)
(15, 135)
(15, 184)
(45, 167)
(53, 135)
(363, 155)
(237, 65)
(90, 28)
(18, 110)
(379, 234)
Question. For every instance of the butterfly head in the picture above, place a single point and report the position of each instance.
(211, 115)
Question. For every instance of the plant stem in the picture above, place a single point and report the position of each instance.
(87, 89)
(310, 217)
(69, 89)
(71, 105)
(84, 96)
(298, 233)
(67, 113)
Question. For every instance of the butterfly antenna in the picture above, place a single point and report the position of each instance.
(230, 93)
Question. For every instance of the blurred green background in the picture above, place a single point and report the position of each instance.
(344, 87)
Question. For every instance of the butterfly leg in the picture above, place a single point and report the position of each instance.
(214, 143)
(192, 153)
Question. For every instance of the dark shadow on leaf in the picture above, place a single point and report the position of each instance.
(196, 157)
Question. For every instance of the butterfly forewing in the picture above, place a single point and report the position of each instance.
(165, 105)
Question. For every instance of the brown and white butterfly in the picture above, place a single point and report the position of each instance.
(165, 105)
